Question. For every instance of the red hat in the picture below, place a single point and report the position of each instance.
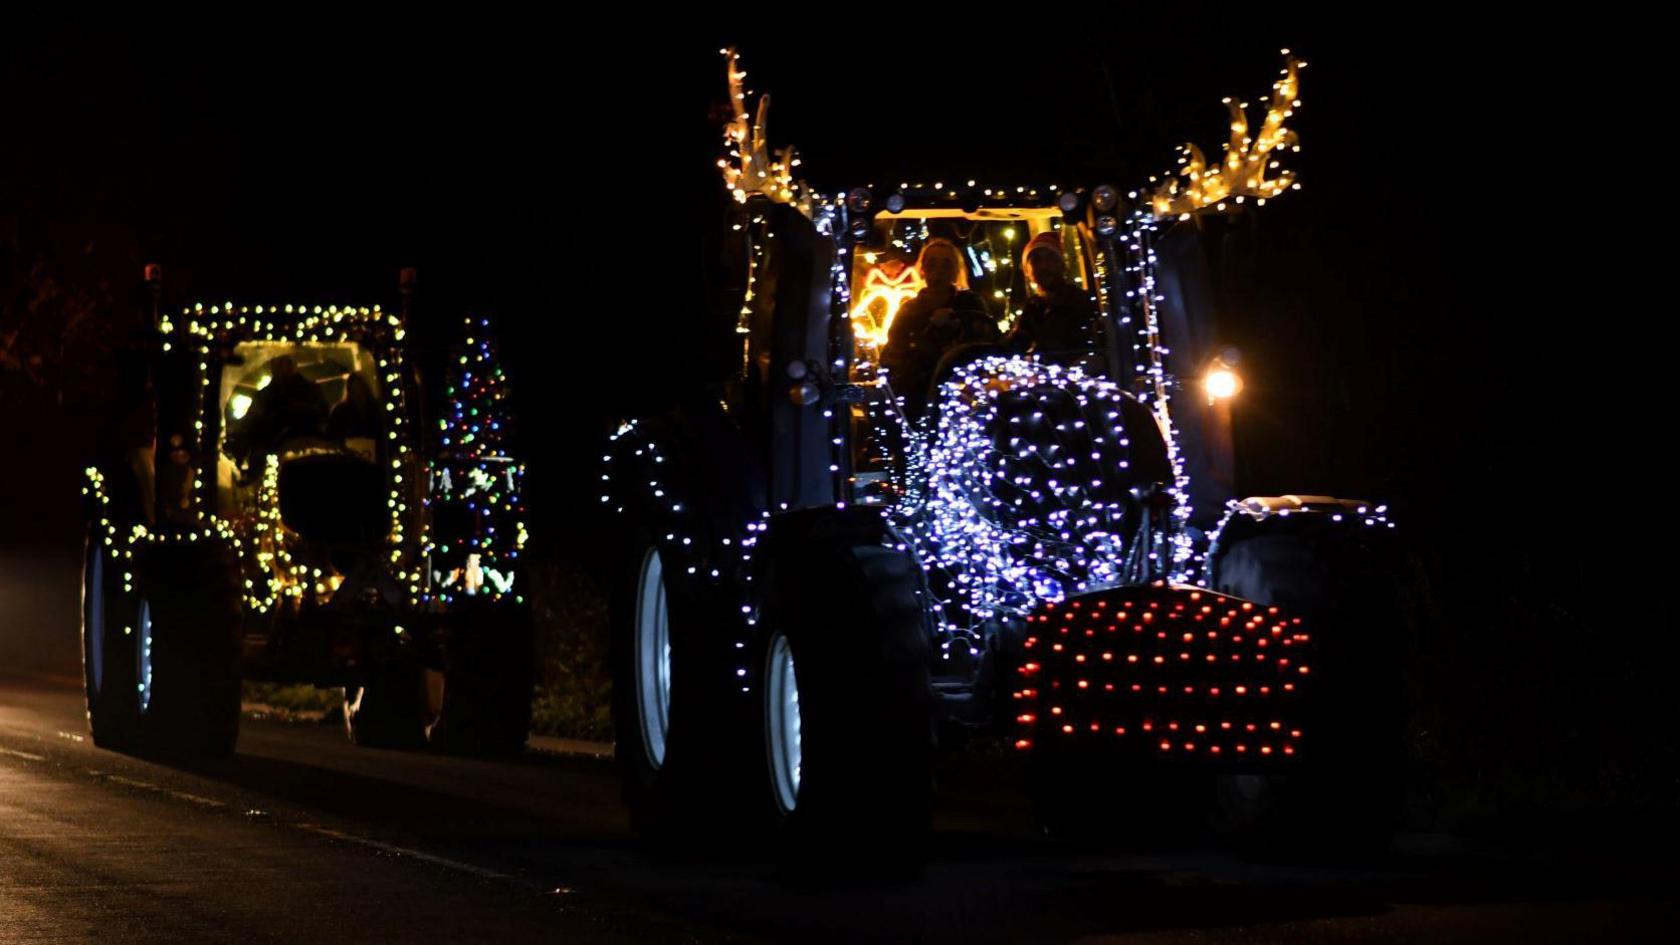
(1049, 239)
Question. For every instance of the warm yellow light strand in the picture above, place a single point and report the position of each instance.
(1248, 159)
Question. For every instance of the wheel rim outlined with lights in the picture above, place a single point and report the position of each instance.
(782, 723)
(143, 653)
(653, 658)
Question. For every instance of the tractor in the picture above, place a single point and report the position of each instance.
(277, 500)
(838, 561)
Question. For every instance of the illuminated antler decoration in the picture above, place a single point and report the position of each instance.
(749, 168)
(1247, 159)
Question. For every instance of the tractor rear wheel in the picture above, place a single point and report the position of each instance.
(186, 619)
(485, 709)
(388, 708)
(109, 665)
(1343, 796)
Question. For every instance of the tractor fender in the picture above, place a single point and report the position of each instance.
(1323, 530)
(1336, 564)
(686, 477)
(793, 535)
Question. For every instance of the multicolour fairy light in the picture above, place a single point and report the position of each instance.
(475, 483)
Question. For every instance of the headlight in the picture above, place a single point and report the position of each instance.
(1221, 382)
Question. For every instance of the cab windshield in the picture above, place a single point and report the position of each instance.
(276, 393)
(988, 244)
(936, 288)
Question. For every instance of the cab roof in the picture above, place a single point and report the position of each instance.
(278, 322)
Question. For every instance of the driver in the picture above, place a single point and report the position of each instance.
(1058, 318)
(290, 406)
(943, 315)
(357, 415)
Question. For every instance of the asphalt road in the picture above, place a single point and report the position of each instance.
(302, 837)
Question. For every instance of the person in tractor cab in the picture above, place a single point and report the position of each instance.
(1058, 319)
(944, 315)
(357, 415)
(290, 406)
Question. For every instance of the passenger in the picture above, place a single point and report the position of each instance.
(357, 415)
(1059, 318)
(290, 406)
(943, 315)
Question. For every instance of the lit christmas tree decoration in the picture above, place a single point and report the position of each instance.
(477, 527)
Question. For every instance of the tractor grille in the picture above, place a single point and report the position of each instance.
(1163, 670)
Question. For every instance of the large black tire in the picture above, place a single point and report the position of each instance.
(487, 681)
(1343, 796)
(389, 708)
(187, 623)
(850, 616)
(1088, 798)
(681, 755)
(109, 666)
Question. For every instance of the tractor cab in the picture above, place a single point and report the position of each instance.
(275, 392)
(937, 280)
(302, 447)
(959, 274)
(315, 410)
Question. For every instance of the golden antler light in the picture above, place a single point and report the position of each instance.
(1247, 161)
(749, 168)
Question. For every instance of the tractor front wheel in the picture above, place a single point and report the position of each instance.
(846, 702)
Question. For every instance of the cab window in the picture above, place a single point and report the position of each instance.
(280, 394)
(887, 275)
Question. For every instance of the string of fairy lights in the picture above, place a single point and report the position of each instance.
(1337, 511)
(1164, 671)
(1026, 496)
(1157, 391)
